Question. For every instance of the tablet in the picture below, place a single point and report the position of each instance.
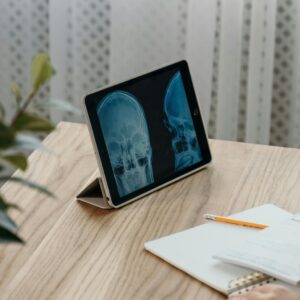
(147, 132)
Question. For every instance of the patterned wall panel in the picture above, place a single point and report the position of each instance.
(80, 49)
(94, 42)
(244, 70)
(283, 71)
(88, 59)
(214, 91)
(24, 31)
(145, 34)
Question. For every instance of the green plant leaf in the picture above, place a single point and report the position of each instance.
(9, 237)
(7, 136)
(8, 228)
(15, 88)
(41, 70)
(18, 160)
(32, 123)
(28, 183)
(5, 205)
(59, 105)
(2, 111)
(25, 142)
(7, 223)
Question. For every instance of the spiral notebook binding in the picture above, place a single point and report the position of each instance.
(247, 282)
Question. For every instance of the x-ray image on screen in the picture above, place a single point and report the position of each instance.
(126, 136)
(179, 122)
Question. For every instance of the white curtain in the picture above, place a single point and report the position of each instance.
(244, 55)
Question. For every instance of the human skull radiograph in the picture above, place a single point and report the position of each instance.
(126, 136)
(179, 121)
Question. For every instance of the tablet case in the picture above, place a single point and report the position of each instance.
(94, 192)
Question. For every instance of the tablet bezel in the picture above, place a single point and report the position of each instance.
(90, 103)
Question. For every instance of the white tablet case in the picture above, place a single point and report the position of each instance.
(94, 192)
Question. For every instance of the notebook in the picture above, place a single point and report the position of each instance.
(192, 250)
(274, 251)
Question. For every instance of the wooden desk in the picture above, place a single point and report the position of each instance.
(76, 251)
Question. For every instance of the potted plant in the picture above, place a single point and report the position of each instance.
(21, 134)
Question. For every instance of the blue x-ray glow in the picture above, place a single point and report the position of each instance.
(180, 123)
(126, 136)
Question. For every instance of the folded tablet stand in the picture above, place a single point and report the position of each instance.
(94, 192)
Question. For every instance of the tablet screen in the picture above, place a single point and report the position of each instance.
(149, 132)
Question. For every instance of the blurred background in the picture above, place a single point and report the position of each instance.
(244, 55)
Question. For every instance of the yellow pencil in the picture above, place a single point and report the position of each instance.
(233, 221)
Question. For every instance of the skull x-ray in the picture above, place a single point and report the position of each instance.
(148, 131)
(179, 121)
(126, 136)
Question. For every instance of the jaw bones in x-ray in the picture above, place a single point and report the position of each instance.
(126, 136)
(179, 122)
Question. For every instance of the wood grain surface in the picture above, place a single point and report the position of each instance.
(76, 251)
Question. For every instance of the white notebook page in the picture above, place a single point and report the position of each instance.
(192, 250)
(274, 251)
